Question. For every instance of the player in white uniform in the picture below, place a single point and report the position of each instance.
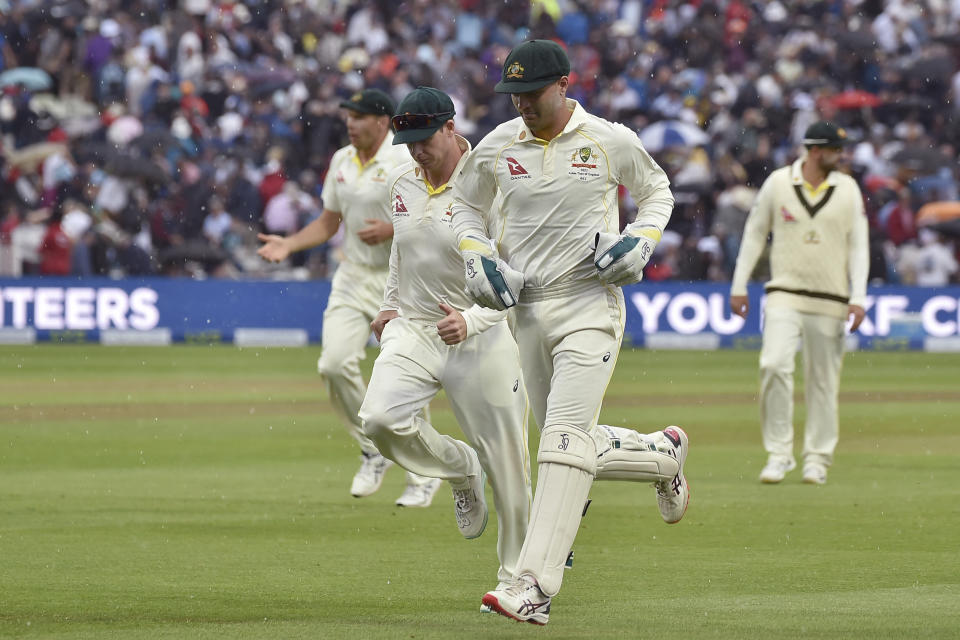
(353, 194)
(819, 262)
(559, 260)
(432, 336)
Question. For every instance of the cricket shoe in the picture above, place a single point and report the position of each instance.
(777, 467)
(470, 506)
(814, 473)
(673, 495)
(368, 479)
(503, 584)
(522, 601)
(419, 495)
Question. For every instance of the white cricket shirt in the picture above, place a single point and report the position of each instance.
(358, 193)
(819, 259)
(557, 194)
(425, 264)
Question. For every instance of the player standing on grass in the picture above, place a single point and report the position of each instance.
(432, 336)
(353, 193)
(819, 262)
(559, 261)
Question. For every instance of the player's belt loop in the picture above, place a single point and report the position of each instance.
(560, 290)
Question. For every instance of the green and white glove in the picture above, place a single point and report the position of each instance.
(620, 259)
(491, 282)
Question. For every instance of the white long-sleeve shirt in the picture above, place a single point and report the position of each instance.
(425, 265)
(358, 193)
(819, 259)
(555, 195)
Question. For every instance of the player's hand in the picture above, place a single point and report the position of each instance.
(491, 282)
(620, 259)
(274, 249)
(452, 328)
(740, 306)
(855, 313)
(376, 231)
(381, 321)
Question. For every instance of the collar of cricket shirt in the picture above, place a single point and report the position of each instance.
(464, 145)
(577, 118)
(796, 177)
(384, 147)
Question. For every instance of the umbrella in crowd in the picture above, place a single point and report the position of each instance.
(155, 140)
(123, 166)
(124, 129)
(672, 133)
(30, 78)
(855, 99)
(923, 160)
(943, 217)
(936, 212)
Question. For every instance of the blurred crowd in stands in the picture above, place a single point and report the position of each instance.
(159, 136)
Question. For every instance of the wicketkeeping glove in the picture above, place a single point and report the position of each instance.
(491, 282)
(620, 259)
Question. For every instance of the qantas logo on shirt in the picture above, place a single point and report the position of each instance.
(340, 177)
(516, 169)
(787, 216)
(398, 206)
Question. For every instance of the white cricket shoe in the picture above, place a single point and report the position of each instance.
(419, 495)
(485, 608)
(673, 495)
(777, 467)
(522, 601)
(470, 506)
(814, 473)
(368, 479)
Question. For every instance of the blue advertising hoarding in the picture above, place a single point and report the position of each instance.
(659, 315)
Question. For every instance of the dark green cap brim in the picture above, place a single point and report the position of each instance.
(523, 87)
(416, 135)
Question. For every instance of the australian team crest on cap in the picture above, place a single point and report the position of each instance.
(515, 70)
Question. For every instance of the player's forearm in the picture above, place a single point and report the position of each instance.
(751, 246)
(467, 221)
(315, 233)
(859, 261)
(479, 319)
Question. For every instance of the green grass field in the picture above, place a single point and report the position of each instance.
(202, 492)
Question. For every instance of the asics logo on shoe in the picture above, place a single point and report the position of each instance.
(676, 484)
(532, 607)
(672, 437)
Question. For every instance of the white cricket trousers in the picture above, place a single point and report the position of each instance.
(484, 385)
(355, 296)
(823, 344)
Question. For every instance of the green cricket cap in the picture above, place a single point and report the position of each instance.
(372, 101)
(420, 114)
(533, 65)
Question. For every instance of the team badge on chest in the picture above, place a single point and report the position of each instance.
(584, 164)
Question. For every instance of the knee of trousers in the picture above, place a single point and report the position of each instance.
(381, 426)
(570, 447)
(333, 367)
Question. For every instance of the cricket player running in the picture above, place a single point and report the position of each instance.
(433, 336)
(353, 193)
(819, 261)
(559, 261)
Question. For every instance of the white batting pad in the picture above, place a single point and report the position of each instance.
(567, 462)
(625, 454)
